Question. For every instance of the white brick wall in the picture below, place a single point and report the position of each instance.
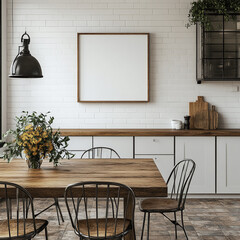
(53, 27)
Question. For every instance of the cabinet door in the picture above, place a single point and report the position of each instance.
(122, 145)
(228, 164)
(202, 151)
(154, 145)
(164, 163)
(77, 145)
(78, 154)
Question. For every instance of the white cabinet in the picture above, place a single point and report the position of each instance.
(213, 174)
(154, 145)
(202, 151)
(122, 145)
(77, 145)
(160, 149)
(228, 165)
(77, 154)
(164, 163)
(80, 143)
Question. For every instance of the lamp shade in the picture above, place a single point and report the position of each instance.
(25, 65)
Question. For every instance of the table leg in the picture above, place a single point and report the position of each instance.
(131, 235)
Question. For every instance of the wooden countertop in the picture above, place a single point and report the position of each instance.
(148, 132)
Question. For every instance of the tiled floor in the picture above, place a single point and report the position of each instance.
(204, 219)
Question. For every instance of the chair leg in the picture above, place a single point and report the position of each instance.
(27, 208)
(134, 233)
(148, 226)
(46, 233)
(175, 224)
(183, 227)
(59, 209)
(10, 208)
(144, 218)
(112, 206)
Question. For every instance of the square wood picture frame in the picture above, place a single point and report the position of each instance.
(113, 67)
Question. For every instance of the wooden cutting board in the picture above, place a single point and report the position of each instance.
(213, 118)
(199, 114)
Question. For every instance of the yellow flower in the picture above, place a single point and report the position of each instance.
(39, 129)
(50, 147)
(34, 153)
(34, 149)
(29, 135)
(24, 136)
(44, 135)
(29, 126)
(34, 141)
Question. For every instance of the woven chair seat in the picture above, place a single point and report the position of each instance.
(120, 227)
(159, 205)
(17, 229)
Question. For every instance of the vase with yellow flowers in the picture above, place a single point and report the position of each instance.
(35, 139)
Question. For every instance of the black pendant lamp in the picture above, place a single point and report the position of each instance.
(24, 64)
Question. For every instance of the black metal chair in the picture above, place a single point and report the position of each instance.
(93, 219)
(100, 152)
(14, 220)
(178, 182)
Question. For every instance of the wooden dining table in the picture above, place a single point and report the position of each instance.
(142, 175)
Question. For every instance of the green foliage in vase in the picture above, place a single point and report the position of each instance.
(197, 13)
(35, 138)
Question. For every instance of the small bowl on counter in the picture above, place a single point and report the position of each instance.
(176, 124)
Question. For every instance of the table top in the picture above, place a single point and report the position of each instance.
(142, 175)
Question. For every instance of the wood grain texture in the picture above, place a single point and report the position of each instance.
(22, 228)
(141, 175)
(149, 132)
(199, 114)
(158, 205)
(213, 118)
(100, 229)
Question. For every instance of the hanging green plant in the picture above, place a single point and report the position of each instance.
(197, 13)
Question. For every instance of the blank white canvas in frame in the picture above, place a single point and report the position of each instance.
(113, 67)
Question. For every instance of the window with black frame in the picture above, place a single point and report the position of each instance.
(218, 49)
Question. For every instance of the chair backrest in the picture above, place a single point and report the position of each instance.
(100, 152)
(102, 204)
(16, 214)
(180, 179)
